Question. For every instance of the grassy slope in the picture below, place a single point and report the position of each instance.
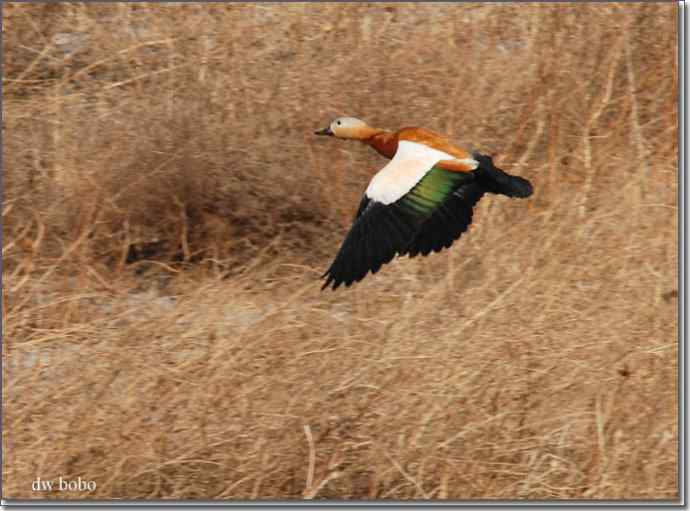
(536, 359)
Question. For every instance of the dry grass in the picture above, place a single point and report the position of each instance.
(167, 213)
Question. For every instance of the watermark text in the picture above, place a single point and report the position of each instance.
(63, 484)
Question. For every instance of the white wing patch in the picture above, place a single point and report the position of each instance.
(409, 165)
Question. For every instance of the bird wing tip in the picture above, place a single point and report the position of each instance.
(330, 281)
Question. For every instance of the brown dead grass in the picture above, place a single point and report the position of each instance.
(167, 214)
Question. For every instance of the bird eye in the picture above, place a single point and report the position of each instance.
(338, 123)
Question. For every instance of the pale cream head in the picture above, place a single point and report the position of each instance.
(346, 127)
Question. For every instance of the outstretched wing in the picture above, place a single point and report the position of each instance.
(454, 215)
(379, 233)
(448, 221)
(406, 195)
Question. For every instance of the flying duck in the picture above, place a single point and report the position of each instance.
(418, 203)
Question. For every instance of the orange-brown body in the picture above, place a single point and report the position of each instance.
(386, 144)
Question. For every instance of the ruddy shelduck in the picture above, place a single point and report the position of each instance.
(420, 202)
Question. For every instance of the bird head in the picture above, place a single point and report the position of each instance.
(346, 127)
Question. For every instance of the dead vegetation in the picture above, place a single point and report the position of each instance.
(167, 214)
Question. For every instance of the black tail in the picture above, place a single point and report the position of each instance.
(497, 181)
